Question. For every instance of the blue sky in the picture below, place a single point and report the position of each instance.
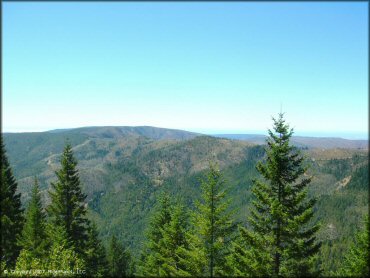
(208, 67)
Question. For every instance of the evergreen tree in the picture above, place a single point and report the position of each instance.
(209, 242)
(33, 237)
(150, 262)
(357, 261)
(65, 261)
(67, 208)
(193, 259)
(172, 243)
(119, 259)
(62, 255)
(96, 261)
(281, 240)
(11, 213)
(60, 260)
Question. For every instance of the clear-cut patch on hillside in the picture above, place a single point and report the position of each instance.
(343, 182)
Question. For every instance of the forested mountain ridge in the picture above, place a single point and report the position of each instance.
(123, 175)
(305, 141)
(31, 146)
(155, 133)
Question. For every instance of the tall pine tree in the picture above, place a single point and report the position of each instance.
(11, 213)
(209, 242)
(281, 239)
(67, 208)
(172, 243)
(96, 261)
(60, 260)
(33, 237)
(150, 261)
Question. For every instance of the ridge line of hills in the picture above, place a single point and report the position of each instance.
(157, 133)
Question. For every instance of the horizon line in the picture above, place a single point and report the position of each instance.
(350, 135)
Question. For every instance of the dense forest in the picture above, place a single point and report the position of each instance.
(266, 215)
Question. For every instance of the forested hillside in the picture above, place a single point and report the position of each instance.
(304, 141)
(123, 171)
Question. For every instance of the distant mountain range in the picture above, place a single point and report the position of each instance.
(156, 133)
(304, 141)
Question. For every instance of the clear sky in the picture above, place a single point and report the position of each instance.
(207, 67)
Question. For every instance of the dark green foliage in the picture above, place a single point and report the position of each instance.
(34, 238)
(340, 214)
(357, 261)
(96, 261)
(360, 178)
(119, 259)
(173, 242)
(246, 261)
(130, 192)
(67, 208)
(281, 240)
(213, 228)
(11, 212)
(59, 257)
(340, 168)
(150, 261)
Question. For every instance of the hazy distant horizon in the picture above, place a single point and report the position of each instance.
(338, 134)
